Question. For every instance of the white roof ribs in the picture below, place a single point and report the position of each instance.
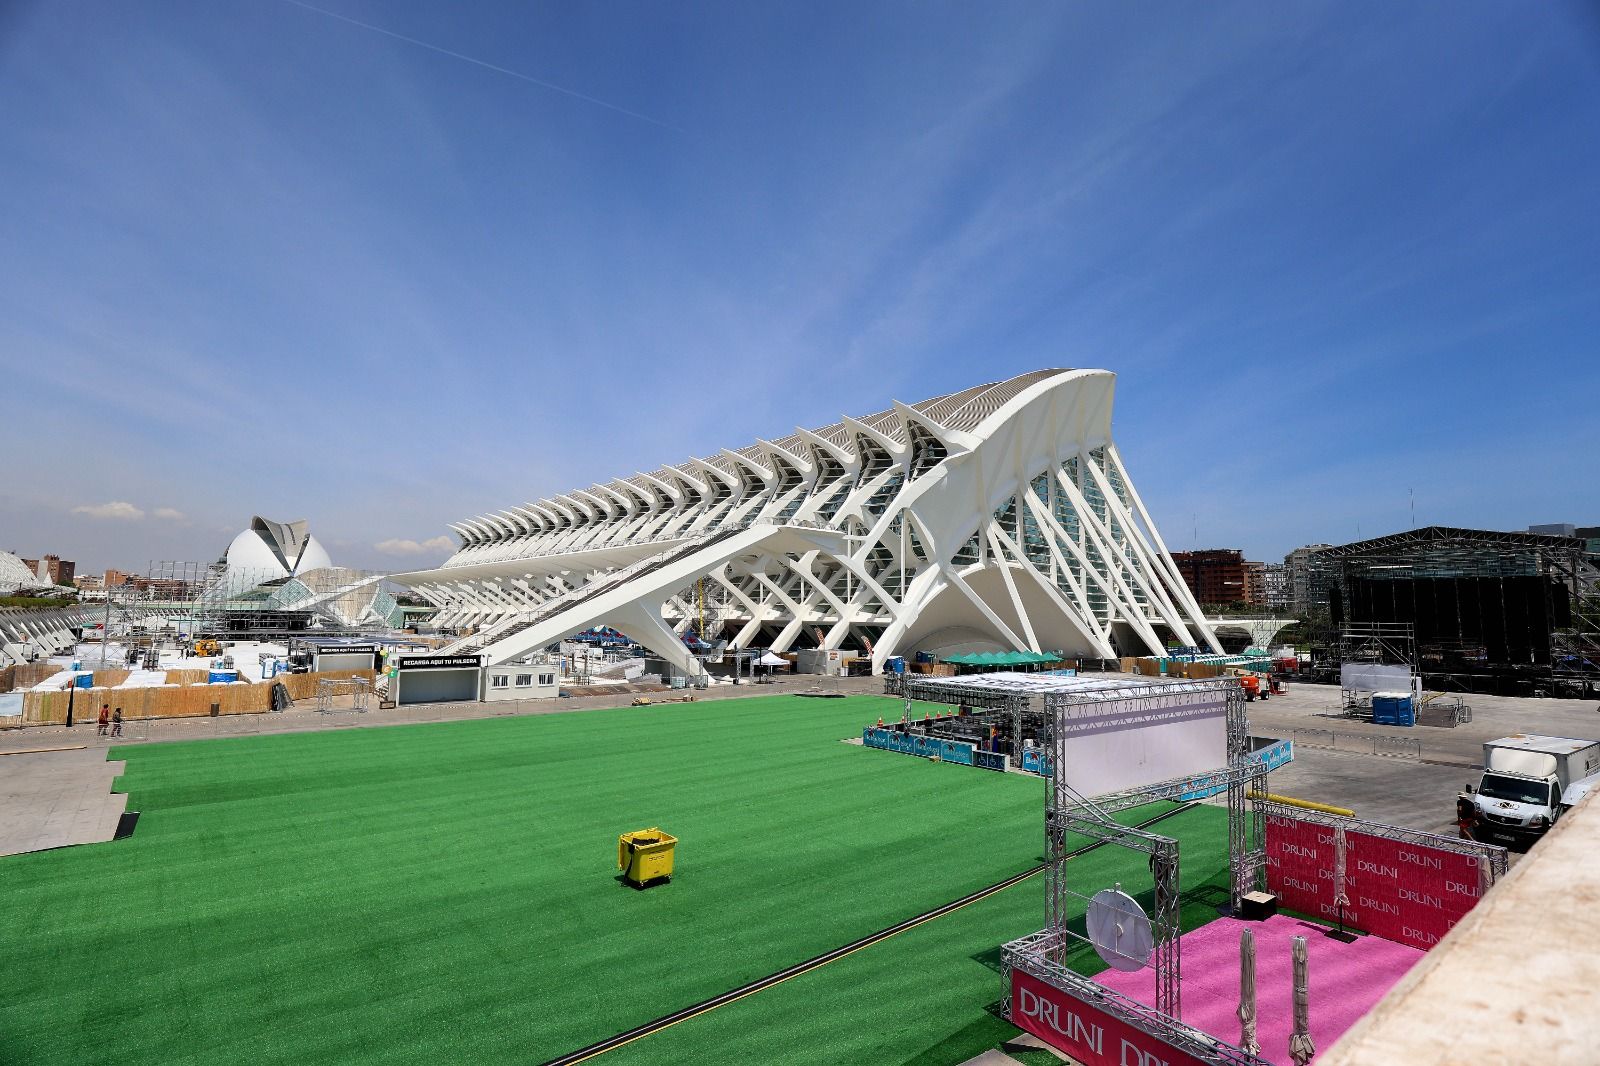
(950, 418)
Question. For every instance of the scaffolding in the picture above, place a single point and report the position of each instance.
(1087, 707)
(1082, 709)
(1075, 706)
(1378, 642)
(116, 618)
(216, 600)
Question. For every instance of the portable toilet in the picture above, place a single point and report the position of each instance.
(1385, 708)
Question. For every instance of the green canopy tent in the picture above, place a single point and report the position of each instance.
(1004, 658)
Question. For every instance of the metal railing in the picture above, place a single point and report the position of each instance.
(1359, 743)
(357, 688)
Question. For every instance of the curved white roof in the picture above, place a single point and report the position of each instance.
(270, 550)
(16, 577)
(949, 416)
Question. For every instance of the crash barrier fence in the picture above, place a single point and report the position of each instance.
(955, 751)
(1359, 743)
(262, 724)
(26, 675)
(1443, 711)
(1400, 884)
(174, 701)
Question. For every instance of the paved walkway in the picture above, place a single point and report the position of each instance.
(303, 718)
(50, 799)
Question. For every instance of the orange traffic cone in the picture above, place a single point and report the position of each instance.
(880, 721)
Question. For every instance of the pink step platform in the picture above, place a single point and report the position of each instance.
(1345, 980)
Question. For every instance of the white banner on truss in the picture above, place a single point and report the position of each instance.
(1123, 744)
(1376, 677)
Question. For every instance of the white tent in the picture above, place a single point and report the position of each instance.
(769, 659)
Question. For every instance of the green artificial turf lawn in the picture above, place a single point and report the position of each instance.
(928, 995)
(446, 893)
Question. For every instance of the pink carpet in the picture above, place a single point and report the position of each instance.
(1345, 981)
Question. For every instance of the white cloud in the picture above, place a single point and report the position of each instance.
(169, 513)
(397, 546)
(120, 509)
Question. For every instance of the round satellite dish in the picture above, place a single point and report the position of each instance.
(1119, 930)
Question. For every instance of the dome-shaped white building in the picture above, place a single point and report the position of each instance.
(279, 567)
(271, 551)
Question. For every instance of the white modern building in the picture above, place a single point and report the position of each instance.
(272, 551)
(17, 580)
(997, 518)
(271, 571)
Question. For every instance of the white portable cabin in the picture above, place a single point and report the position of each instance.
(539, 681)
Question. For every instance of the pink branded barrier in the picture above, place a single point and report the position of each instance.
(1087, 1031)
(1406, 891)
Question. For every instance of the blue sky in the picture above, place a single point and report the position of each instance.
(256, 258)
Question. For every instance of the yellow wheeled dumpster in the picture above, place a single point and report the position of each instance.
(645, 857)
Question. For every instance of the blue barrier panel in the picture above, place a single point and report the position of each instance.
(989, 760)
(957, 752)
(928, 747)
(1274, 755)
(1200, 791)
(1035, 761)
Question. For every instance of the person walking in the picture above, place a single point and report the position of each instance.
(1466, 818)
(105, 718)
(116, 722)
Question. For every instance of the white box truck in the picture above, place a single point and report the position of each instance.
(1519, 796)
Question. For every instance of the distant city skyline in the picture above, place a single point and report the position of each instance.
(384, 266)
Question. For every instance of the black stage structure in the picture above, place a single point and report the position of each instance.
(1506, 613)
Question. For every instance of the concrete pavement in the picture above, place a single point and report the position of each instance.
(1418, 793)
(1316, 707)
(51, 799)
